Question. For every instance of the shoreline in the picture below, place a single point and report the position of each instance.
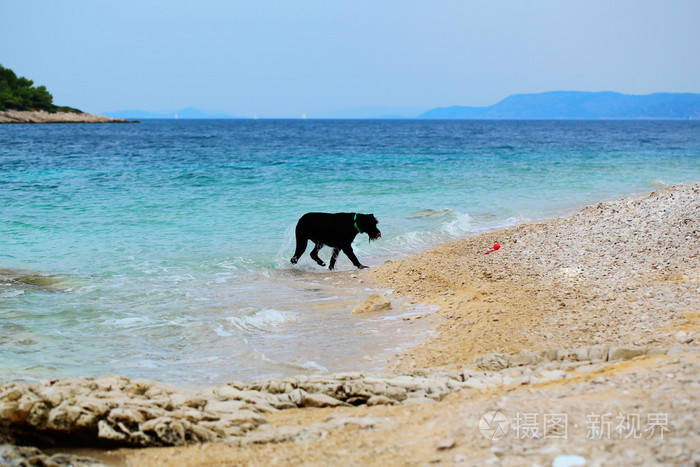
(42, 116)
(557, 272)
(571, 315)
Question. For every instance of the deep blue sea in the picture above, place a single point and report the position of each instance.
(161, 249)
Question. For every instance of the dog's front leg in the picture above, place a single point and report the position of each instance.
(351, 254)
(334, 256)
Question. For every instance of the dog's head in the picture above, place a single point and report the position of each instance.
(367, 223)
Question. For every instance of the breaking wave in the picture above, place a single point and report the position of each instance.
(262, 320)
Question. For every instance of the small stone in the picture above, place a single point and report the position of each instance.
(373, 303)
(419, 400)
(105, 431)
(21, 456)
(498, 451)
(321, 400)
(655, 351)
(445, 444)
(492, 362)
(474, 383)
(619, 353)
(304, 399)
(598, 352)
(551, 375)
(380, 400)
(568, 461)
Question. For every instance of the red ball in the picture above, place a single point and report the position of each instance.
(496, 246)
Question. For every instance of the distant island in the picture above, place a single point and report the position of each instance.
(22, 102)
(576, 105)
(555, 105)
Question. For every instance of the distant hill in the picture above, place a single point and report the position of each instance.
(579, 105)
(187, 113)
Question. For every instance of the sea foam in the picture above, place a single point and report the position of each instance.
(261, 320)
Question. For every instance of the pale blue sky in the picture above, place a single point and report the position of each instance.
(283, 58)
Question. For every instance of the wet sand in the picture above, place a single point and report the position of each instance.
(593, 318)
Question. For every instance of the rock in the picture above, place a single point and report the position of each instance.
(64, 417)
(575, 355)
(244, 418)
(127, 415)
(592, 368)
(225, 407)
(373, 303)
(38, 415)
(42, 116)
(274, 435)
(29, 456)
(498, 451)
(447, 443)
(619, 353)
(550, 375)
(655, 351)
(105, 431)
(492, 361)
(531, 358)
(395, 393)
(304, 399)
(297, 397)
(170, 432)
(598, 352)
(568, 461)
(321, 400)
(118, 411)
(380, 400)
(340, 420)
(419, 400)
(495, 379)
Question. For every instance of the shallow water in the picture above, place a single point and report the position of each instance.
(161, 250)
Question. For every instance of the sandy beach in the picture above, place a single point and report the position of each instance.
(579, 335)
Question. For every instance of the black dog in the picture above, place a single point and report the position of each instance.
(335, 230)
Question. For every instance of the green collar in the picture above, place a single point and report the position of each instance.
(355, 221)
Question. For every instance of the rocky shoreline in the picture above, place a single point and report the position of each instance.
(117, 411)
(591, 321)
(42, 116)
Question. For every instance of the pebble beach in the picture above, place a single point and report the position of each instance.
(576, 343)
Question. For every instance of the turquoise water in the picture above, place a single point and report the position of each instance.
(161, 249)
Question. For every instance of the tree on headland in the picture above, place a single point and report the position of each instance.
(21, 94)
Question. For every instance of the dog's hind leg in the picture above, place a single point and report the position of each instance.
(314, 254)
(334, 256)
(301, 247)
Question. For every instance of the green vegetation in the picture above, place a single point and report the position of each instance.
(21, 94)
